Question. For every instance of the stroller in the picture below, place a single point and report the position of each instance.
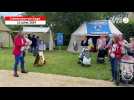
(125, 71)
(85, 58)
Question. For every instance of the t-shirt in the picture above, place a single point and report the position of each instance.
(28, 43)
(34, 42)
(23, 41)
(115, 51)
(112, 50)
(90, 43)
(101, 43)
(38, 41)
(19, 43)
(42, 47)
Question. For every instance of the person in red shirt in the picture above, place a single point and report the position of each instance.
(18, 50)
(115, 54)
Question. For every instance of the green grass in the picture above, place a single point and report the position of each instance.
(59, 62)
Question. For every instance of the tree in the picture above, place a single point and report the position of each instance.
(67, 22)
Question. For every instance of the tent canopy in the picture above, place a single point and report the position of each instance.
(3, 28)
(96, 28)
(5, 37)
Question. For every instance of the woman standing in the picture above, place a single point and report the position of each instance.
(101, 44)
(19, 43)
(115, 53)
(27, 44)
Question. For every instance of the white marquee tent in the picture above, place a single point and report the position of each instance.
(93, 28)
(5, 36)
(44, 33)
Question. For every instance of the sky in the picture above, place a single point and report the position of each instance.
(9, 13)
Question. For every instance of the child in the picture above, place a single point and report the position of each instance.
(40, 60)
(84, 44)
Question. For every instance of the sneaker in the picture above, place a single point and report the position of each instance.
(112, 80)
(106, 57)
(16, 75)
(23, 71)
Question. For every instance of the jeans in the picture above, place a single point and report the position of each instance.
(19, 59)
(34, 50)
(114, 65)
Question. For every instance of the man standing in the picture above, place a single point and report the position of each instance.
(38, 42)
(34, 45)
(30, 47)
(19, 43)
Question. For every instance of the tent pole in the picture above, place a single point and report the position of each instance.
(9, 40)
(50, 41)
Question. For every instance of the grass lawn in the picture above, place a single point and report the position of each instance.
(59, 62)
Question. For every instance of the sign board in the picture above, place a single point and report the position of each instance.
(59, 39)
(36, 29)
(98, 27)
(25, 20)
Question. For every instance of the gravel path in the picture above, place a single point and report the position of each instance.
(48, 80)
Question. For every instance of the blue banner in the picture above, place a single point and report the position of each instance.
(98, 27)
(59, 39)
